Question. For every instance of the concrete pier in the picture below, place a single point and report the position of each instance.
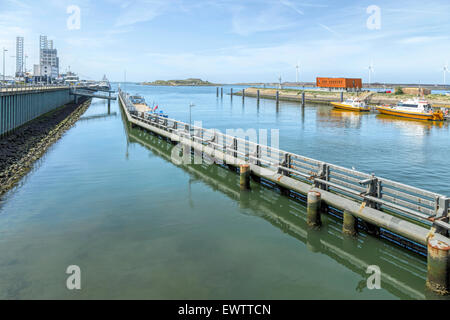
(313, 209)
(438, 276)
(245, 176)
(411, 227)
(350, 224)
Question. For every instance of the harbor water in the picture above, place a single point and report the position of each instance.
(107, 198)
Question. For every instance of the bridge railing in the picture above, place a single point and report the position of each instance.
(390, 196)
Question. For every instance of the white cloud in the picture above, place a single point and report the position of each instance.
(422, 39)
(142, 11)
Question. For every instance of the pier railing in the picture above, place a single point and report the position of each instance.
(393, 197)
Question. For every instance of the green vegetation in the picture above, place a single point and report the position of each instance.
(174, 83)
(398, 91)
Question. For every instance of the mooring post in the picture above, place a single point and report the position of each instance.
(217, 92)
(313, 209)
(438, 275)
(231, 93)
(257, 95)
(277, 96)
(221, 92)
(342, 96)
(243, 94)
(245, 176)
(303, 99)
(350, 225)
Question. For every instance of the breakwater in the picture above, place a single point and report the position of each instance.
(327, 97)
(20, 149)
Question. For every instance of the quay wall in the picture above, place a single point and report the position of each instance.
(19, 107)
(23, 146)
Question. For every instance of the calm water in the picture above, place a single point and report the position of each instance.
(108, 199)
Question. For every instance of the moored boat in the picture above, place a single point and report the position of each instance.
(352, 105)
(141, 105)
(416, 108)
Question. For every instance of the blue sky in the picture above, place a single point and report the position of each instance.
(236, 41)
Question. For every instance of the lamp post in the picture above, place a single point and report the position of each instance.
(4, 50)
(190, 116)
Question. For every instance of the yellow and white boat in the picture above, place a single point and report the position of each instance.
(416, 108)
(352, 105)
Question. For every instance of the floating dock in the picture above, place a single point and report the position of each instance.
(414, 218)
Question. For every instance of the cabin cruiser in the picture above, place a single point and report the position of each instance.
(352, 104)
(416, 108)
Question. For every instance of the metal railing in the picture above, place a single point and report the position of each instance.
(383, 194)
(18, 88)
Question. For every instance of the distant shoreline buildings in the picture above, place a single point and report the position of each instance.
(48, 68)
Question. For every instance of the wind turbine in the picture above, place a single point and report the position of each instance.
(371, 70)
(297, 67)
(445, 73)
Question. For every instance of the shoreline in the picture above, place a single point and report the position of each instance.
(23, 147)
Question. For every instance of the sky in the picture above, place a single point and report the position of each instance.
(230, 41)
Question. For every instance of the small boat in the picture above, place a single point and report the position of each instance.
(352, 105)
(416, 108)
(141, 106)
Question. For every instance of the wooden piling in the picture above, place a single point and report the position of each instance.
(257, 95)
(438, 275)
(217, 92)
(221, 92)
(342, 96)
(313, 209)
(303, 99)
(245, 176)
(243, 94)
(277, 97)
(231, 93)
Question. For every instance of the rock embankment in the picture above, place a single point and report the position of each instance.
(20, 149)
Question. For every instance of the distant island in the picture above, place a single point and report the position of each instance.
(176, 83)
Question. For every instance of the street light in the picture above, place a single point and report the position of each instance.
(190, 116)
(4, 50)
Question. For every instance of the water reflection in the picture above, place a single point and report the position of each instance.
(403, 273)
(335, 118)
(411, 127)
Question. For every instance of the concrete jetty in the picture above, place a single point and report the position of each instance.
(407, 215)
